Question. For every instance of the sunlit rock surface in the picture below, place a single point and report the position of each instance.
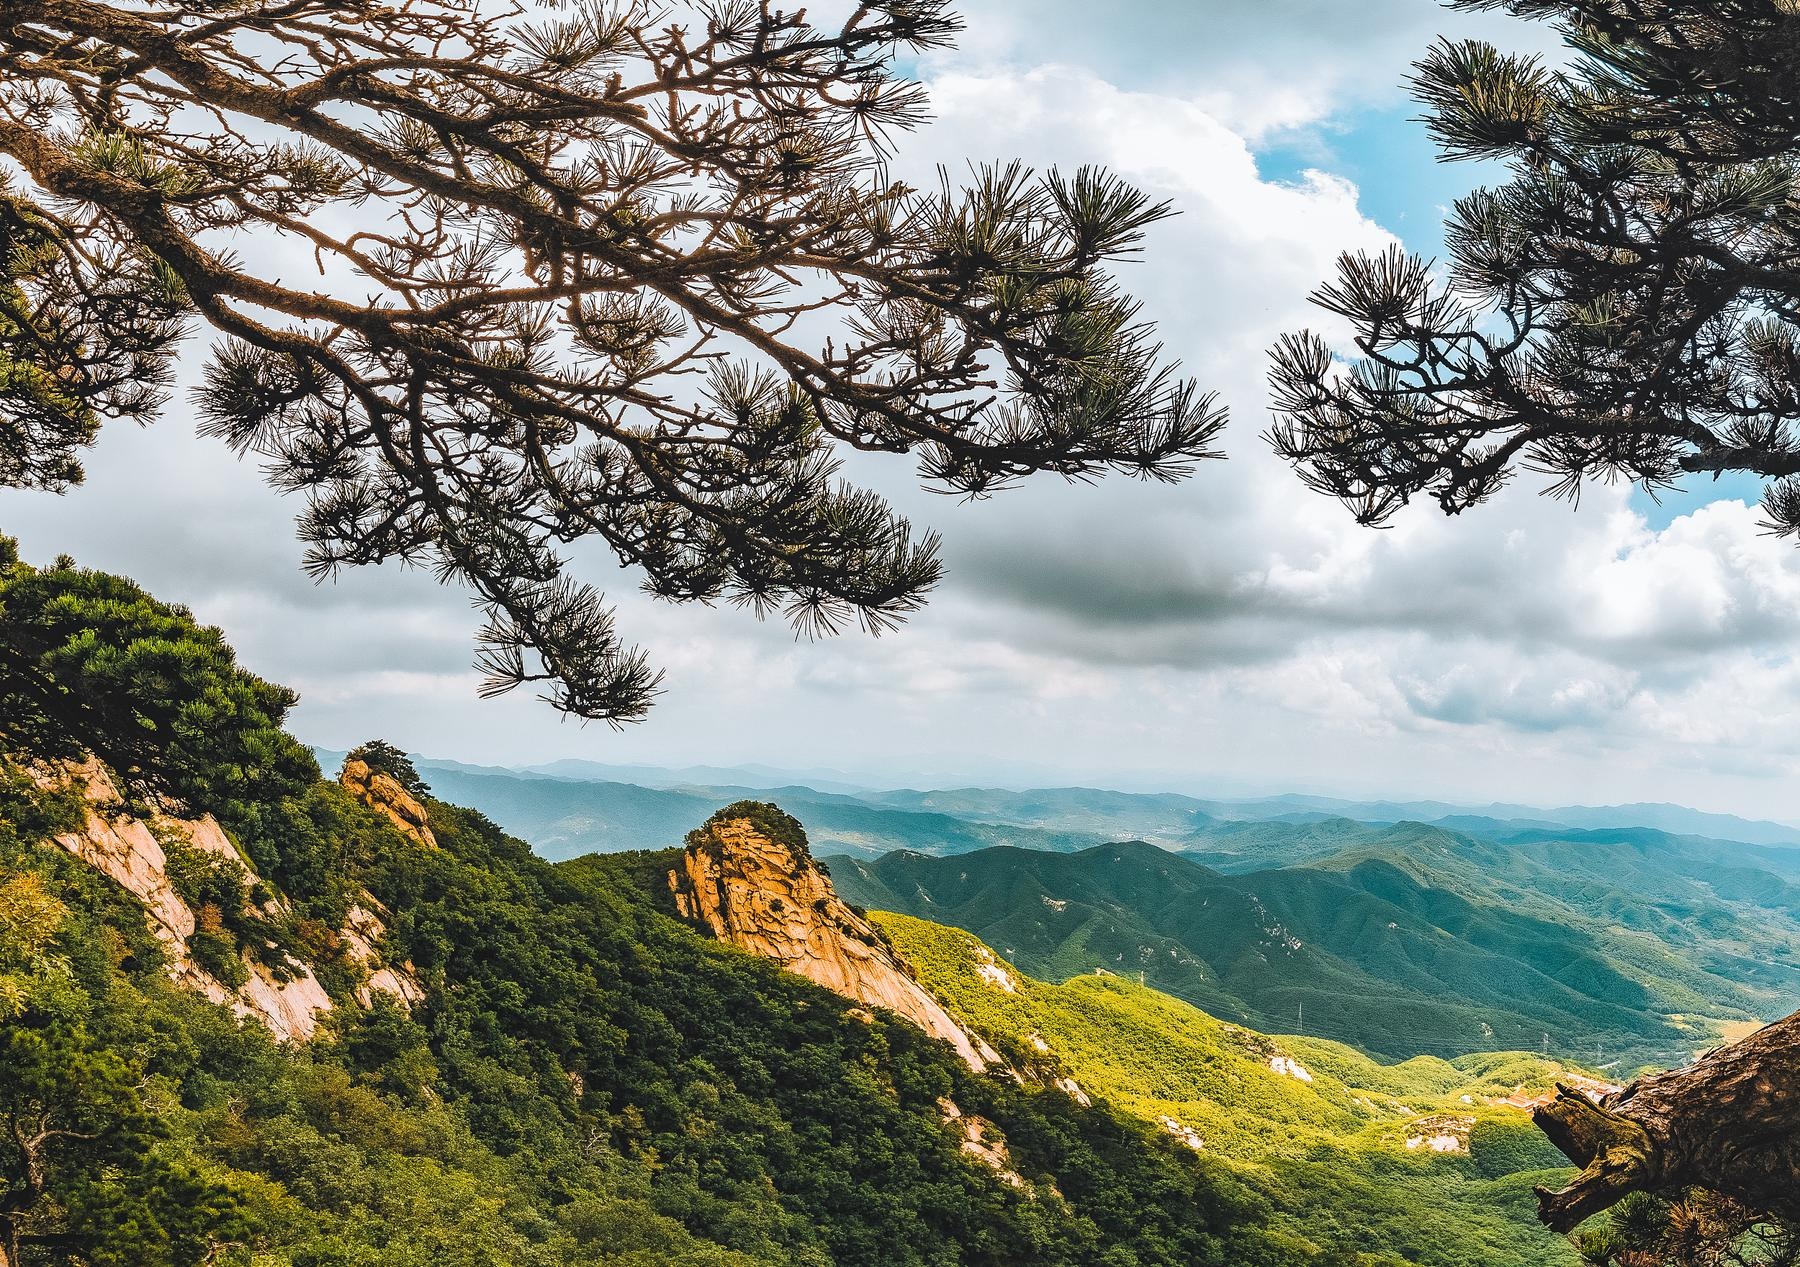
(383, 793)
(127, 848)
(771, 899)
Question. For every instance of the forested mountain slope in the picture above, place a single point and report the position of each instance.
(1424, 1160)
(1417, 940)
(582, 1079)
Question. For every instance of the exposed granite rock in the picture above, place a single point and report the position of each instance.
(361, 935)
(981, 1141)
(767, 896)
(383, 792)
(1442, 1133)
(1186, 1134)
(127, 848)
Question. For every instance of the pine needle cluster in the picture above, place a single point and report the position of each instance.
(492, 280)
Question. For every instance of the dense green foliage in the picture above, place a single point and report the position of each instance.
(1410, 939)
(91, 663)
(87, 1172)
(1323, 1137)
(590, 1076)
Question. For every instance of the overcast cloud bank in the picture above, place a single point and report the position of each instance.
(1231, 633)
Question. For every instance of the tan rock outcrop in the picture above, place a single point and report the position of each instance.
(1442, 1133)
(127, 848)
(361, 935)
(383, 793)
(1186, 1134)
(981, 1141)
(770, 898)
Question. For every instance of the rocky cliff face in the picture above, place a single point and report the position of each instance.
(748, 877)
(128, 848)
(384, 794)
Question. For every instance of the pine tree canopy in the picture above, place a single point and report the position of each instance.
(91, 665)
(490, 280)
(1627, 305)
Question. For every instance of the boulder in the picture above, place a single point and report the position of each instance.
(384, 794)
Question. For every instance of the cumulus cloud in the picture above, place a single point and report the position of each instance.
(1526, 626)
(1258, 66)
(1232, 633)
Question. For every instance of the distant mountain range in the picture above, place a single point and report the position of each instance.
(573, 806)
(1082, 816)
(1628, 946)
(1677, 819)
(749, 776)
(1627, 933)
(563, 817)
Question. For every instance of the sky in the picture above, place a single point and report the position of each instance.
(1233, 634)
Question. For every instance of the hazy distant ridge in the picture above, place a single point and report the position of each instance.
(1074, 815)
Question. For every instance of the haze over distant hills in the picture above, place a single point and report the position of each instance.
(1625, 934)
(573, 806)
(1678, 819)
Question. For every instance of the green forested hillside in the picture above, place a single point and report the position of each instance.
(1415, 940)
(1108, 815)
(586, 1080)
(589, 1081)
(1319, 1128)
(1624, 946)
(1236, 845)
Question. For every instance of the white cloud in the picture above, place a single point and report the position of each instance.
(1233, 631)
(1525, 628)
(1258, 66)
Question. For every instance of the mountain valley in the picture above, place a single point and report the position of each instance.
(252, 1014)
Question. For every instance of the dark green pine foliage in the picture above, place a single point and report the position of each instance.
(633, 273)
(90, 663)
(1694, 1228)
(85, 336)
(1625, 305)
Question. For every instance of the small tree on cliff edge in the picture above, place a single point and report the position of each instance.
(1628, 304)
(602, 269)
(384, 758)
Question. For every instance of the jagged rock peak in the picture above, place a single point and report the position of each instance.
(748, 877)
(384, 793)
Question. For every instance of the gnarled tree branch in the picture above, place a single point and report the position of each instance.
(1730, 1122)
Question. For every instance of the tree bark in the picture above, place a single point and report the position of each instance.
(1729, 1122)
